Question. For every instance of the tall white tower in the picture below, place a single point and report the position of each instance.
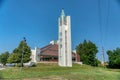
(64, 24)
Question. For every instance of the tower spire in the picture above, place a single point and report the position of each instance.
(62, 13)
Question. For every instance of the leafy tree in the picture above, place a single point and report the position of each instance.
(87, 51)
(0, 58)
(13, 58)
(3, 57)
(23, 51)
(114, 58)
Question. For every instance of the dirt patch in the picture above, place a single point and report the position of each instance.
(47, 78)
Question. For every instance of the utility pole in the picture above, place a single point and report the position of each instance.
(24, 41)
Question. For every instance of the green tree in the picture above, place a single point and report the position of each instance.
(114, 58)
(23, 51)
(0, 58)
(3, 57)
(87, 51)
(13, 58)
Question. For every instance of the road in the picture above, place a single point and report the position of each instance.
(2, 68)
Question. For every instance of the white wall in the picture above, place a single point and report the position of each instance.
(35, 55)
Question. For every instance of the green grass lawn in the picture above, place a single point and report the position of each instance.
(54, 72)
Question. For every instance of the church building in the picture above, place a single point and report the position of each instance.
(58, 51)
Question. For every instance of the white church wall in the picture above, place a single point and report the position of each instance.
(35, 55)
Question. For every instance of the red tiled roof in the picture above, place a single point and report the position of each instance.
(51, 50)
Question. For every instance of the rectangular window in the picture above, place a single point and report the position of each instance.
(60, 33)
(65, 22)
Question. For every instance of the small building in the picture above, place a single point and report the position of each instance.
(49, 53)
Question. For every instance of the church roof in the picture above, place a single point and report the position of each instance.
(51, 50)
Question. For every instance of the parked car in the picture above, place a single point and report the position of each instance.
(30, 64)
(10, 64)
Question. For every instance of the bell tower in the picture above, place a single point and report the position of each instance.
(64, 38)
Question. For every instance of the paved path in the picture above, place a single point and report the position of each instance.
(2, 68)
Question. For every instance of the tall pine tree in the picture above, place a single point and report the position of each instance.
(21, 53)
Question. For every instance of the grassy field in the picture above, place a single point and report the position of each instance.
(54, 72)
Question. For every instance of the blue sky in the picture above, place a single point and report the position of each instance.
(37, 20)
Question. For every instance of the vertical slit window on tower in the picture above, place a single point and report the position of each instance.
(60, 45)
(60, 33)
(66, 41)
(60, 21)
(64, 20)
(60, 39)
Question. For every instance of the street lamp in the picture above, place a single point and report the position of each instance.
(24, 41)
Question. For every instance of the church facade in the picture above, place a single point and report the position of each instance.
(49, 53)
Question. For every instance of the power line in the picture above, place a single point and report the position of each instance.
(100, 23)
(107, 19)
